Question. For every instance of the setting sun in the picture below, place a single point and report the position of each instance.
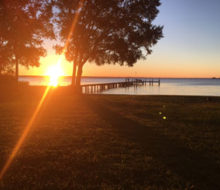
(55, 72)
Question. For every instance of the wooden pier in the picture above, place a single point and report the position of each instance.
(99, 87)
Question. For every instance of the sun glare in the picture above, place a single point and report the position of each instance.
(55, 72)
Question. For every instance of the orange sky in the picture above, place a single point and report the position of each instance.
(156, 65)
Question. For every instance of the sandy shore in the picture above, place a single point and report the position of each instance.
(110, 142)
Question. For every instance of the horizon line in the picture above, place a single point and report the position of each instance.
(123, 77)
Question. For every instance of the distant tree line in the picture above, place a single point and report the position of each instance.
(95, 31)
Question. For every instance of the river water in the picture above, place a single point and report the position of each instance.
(168, 86)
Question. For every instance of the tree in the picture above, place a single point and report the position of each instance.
(23, 24)
(112, 31)
(5, 67)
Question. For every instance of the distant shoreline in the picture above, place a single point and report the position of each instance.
(42, 76)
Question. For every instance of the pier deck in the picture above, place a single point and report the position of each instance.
(99, 87)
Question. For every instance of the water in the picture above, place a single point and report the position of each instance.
(197, 87)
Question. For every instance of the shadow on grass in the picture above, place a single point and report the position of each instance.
(191, 166)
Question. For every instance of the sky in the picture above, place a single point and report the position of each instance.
(190, 47)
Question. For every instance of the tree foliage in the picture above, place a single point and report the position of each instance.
(112, 31)
(23, 24)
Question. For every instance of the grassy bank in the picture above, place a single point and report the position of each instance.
(110, 142)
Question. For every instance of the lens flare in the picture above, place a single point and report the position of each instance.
(24, 134)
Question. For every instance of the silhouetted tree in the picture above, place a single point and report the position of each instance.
(106, 31)
(23, 24)
(5, 67)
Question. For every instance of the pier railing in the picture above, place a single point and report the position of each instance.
(99, 87)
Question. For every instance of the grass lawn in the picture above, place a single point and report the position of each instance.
(110, 142)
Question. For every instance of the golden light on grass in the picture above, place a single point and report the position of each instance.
(24, 134)
(55, 72)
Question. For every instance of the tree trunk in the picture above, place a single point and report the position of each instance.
(16, 70)
(74, 74)
(78, 78)
(75, 61)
